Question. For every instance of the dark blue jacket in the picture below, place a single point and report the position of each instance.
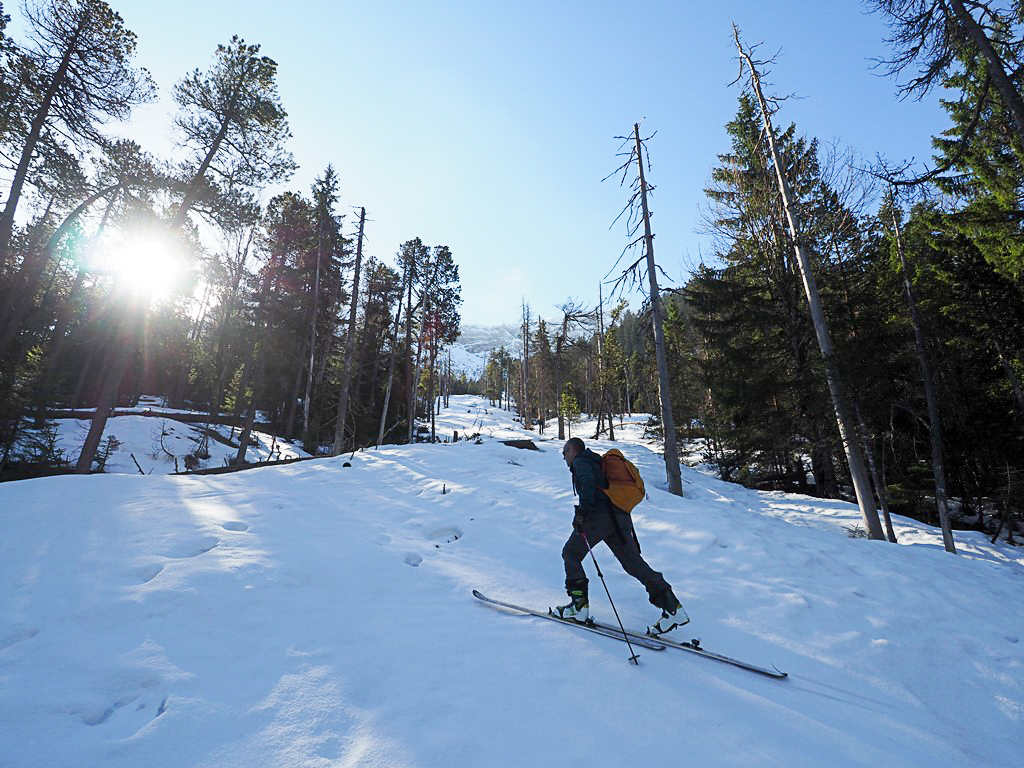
(587, 481)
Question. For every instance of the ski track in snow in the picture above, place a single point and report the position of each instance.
(321, 615)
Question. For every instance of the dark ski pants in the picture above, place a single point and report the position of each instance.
(614, 528)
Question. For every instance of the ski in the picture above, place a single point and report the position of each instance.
(642, 639)
(600, 629)
(694, 646)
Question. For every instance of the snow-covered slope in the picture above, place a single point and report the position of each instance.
(476, 342)
(315, 614)
(482, 339)
(463, 361)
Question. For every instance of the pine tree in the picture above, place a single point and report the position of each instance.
(542, 372)
(232, 123)
(441, 319)
(758, 366)
(568, 406)
(79, 56)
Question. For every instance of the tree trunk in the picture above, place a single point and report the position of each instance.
(410, 393)
(394, 353)
(629, 397)
(673, 476)
(260, 355)
(605, 405)
(116, 363)
(448, 384)
(413, 405)
(1011, 375)
(192, 193)
(524, 405)
(307, 438)
(291, 414)
(559, 384)
(431, 391)
(931, 396)
(844, 419)
(350, 345)
(877, 478)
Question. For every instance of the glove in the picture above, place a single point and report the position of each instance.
(577, 521)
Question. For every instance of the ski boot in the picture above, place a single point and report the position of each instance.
(672, 614)
(578, 608)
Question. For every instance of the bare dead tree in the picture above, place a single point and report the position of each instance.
(844, 413)
(634, 274)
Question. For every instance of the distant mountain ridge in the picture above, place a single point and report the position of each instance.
(476, 342)
(483, 339)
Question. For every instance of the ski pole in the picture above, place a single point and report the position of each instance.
(625, 635)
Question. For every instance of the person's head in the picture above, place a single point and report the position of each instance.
(573, 447)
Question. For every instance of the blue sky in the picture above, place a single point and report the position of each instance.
(488, 126)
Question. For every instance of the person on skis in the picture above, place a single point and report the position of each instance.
(596, 520)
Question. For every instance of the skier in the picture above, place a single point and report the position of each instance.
(596, 520)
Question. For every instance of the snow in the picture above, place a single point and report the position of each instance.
(472, 364)
(320, 615)
(155, 442)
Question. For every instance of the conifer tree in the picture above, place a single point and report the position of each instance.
(542, 372)
(234, 128)
(346, 376)
(78, 74)
(935, 35)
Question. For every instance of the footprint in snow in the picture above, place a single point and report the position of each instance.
(413, 559)
(194, 548)
(445, 535)
(139, 707)
(235, 526)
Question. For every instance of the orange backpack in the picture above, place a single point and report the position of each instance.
(625, 487)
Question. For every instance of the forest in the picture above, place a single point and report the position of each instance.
(855, 331)
(123, 273)
(907, 395)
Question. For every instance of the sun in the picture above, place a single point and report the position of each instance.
(146, 262)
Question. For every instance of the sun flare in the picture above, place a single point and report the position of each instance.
(146, 262)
